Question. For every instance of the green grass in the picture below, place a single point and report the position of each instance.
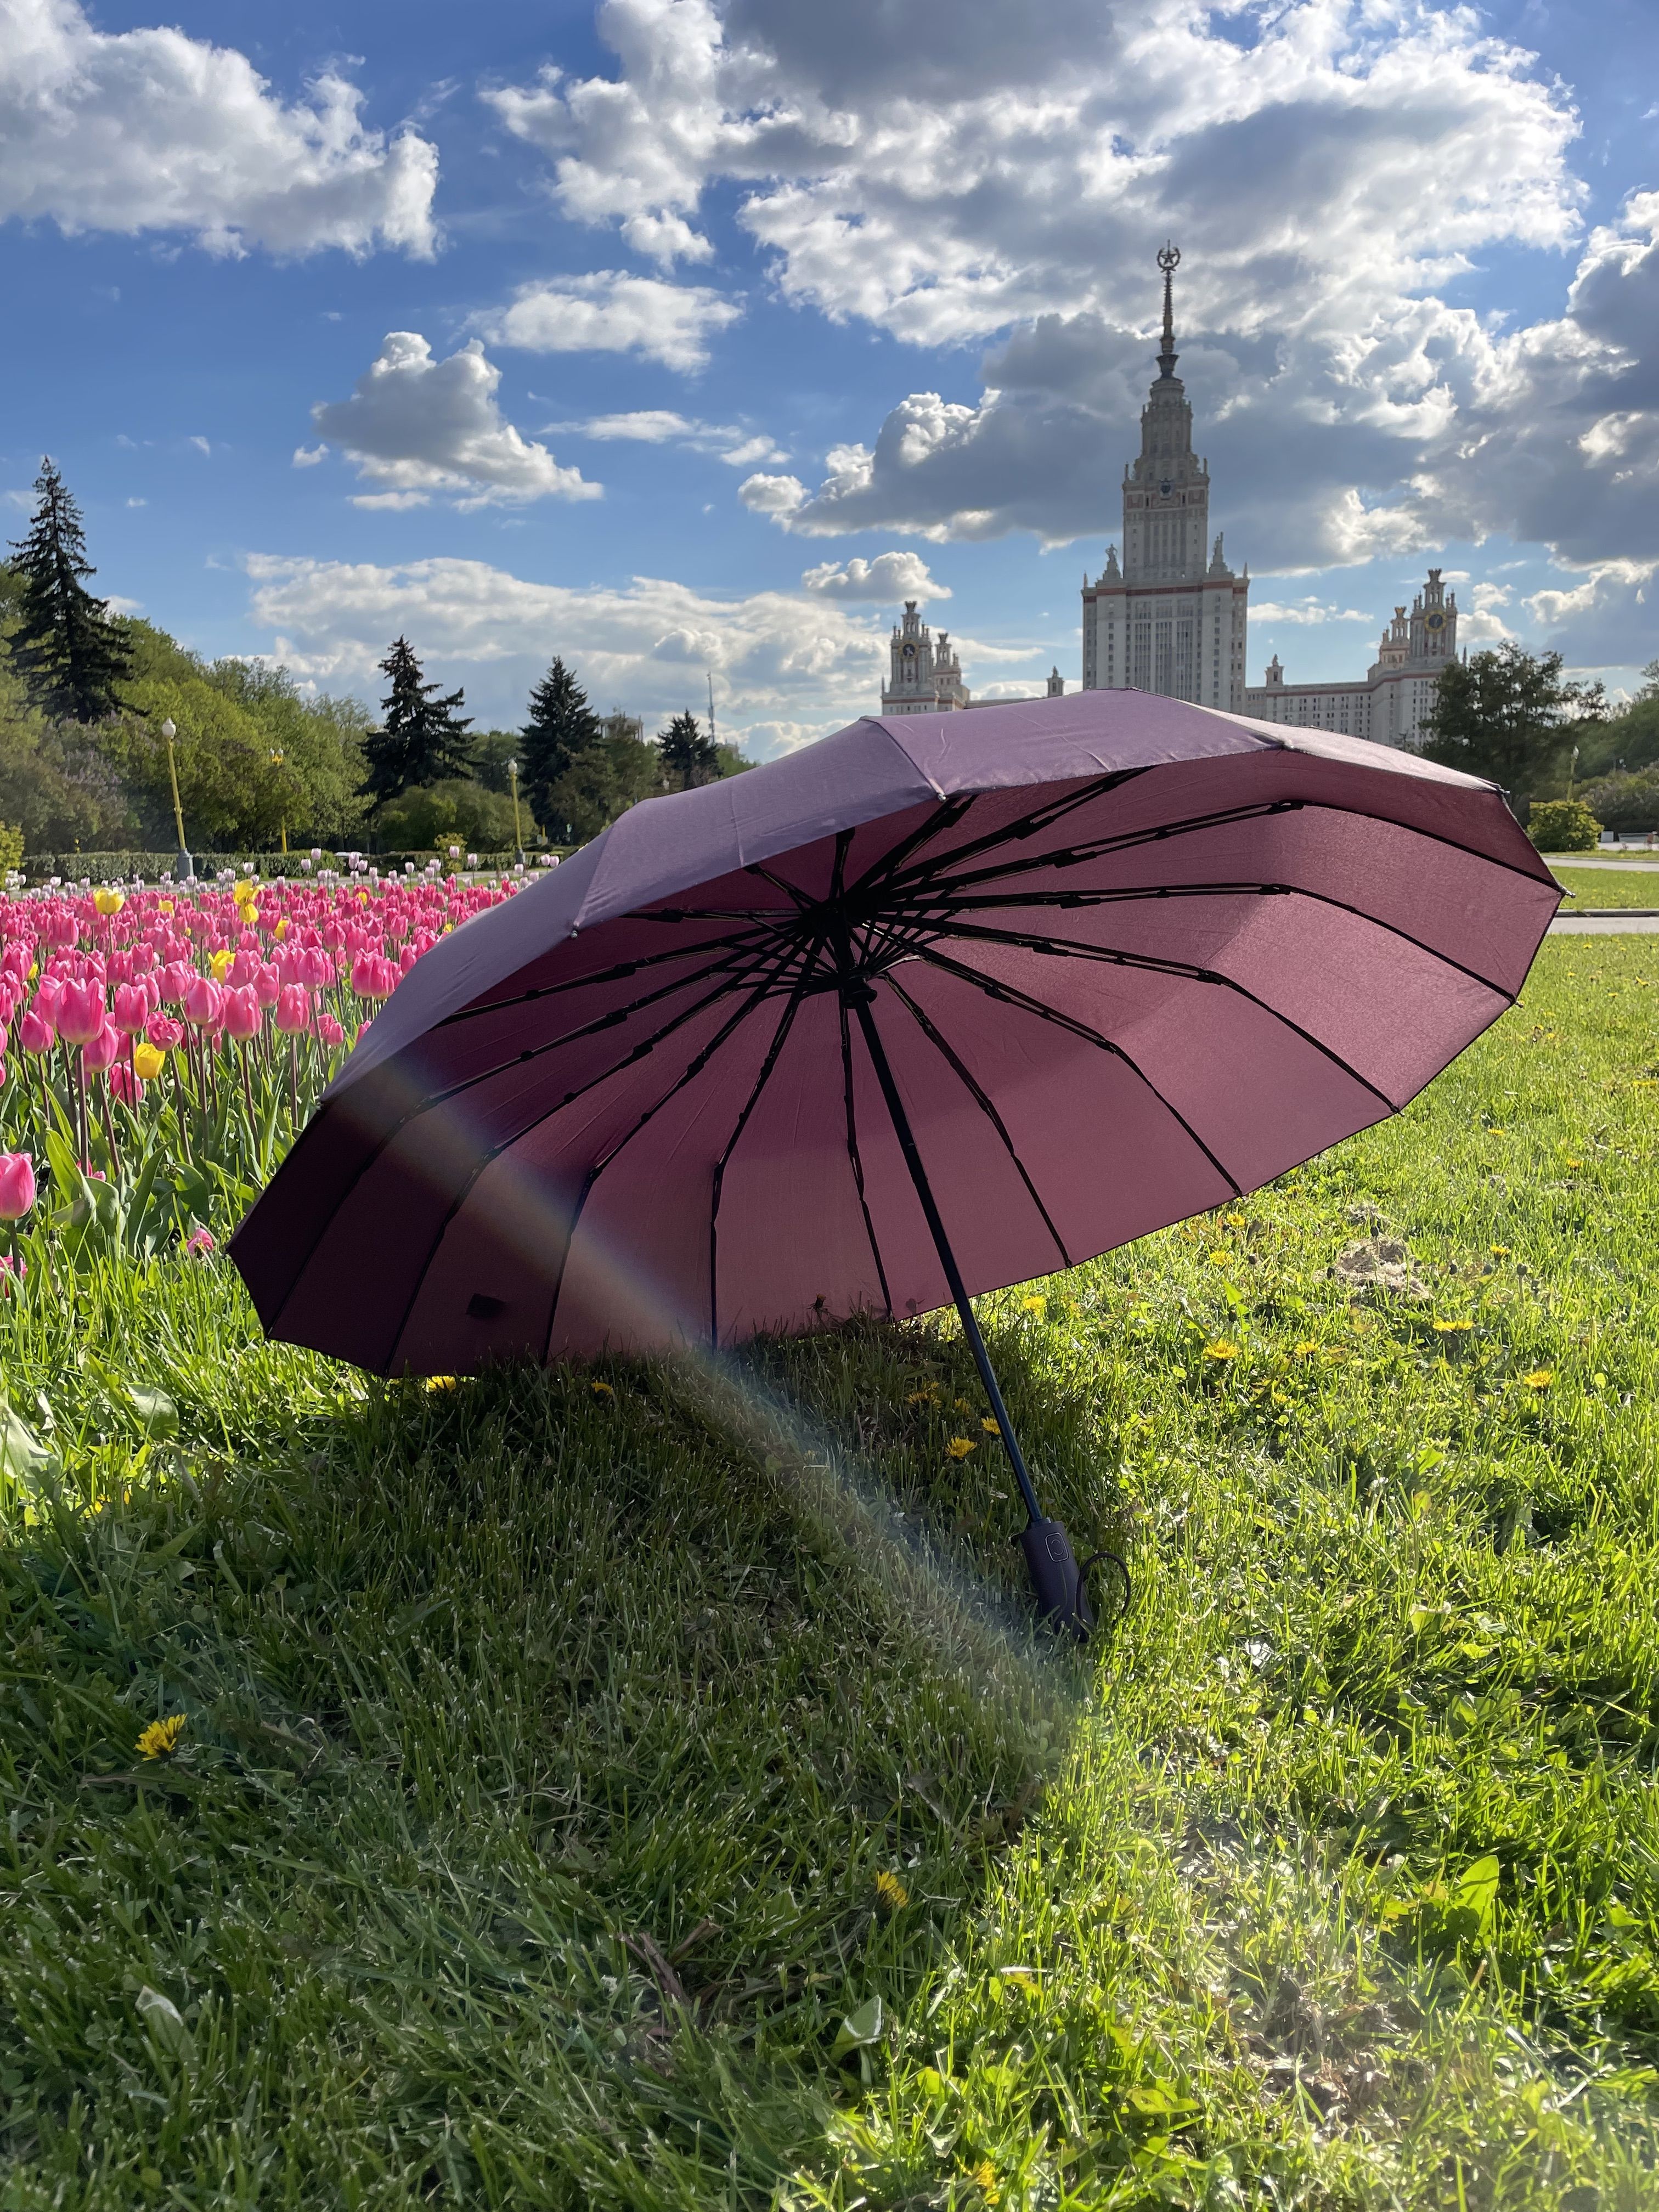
(544, 1743)
(1608, 886)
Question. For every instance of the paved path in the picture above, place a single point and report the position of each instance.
(1606, 925)
(1589, 860)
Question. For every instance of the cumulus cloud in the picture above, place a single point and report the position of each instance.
(732, 442)
(786, 667)
(890, 577)
(148, 130)
(415, 426)
(1309, 610)
(989, 175)
(607, 311)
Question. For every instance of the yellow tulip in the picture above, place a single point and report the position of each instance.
(281, 930)
(108, 900)
(250, 915)
(164, 906)
(243, 891)
(148, 1061)
(220, 962)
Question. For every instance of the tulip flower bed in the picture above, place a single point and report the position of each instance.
(163, 1046)
(580, 1790)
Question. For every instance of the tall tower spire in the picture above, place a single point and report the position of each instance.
(1169, 261)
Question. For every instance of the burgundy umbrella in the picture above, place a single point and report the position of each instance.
(937, 1005)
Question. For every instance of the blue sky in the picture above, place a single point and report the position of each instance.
(680, 338)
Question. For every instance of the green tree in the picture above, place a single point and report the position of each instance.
(688, 757)
(1509, 716)
(561, 730)
(70, 655)
(422, 739)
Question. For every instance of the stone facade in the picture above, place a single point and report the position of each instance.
(1391, 705)
(1167, 620)
(927, 675)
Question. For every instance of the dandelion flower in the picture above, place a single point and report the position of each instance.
(890, 1891)
(920, 1398)
(1233, 1220)
(1036, 1303)
(1572, 1163)
(440, 1382)
(1540, 1378)
(1220, 1348)
(984, 2178)
(988, 1424)
(1500, 1251)
(602, 1390)
(1219, 1259)
(1452, 1327)
(959, 1447)
(1305, 1350)
(160, 1739)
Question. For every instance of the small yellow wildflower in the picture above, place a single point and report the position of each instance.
(1572, 1163)
(602, 1390)
(1540, 1378)
(962, 1404)
(1305, 1350)
(440, 1382)
(890, 1891)
(1220, 1259)
(1452, 1327)
(1233, 1220)
(920, 1398)
(984, 2178)
(1036, 1303)
(1220, 1348)
(108, 900)
(959, 1447)
(148, 1061)
(160, 1739)
(1500, 1251)
(1497, 1129)
(988, 1424)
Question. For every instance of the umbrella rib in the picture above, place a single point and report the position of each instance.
(693, 1069)
(1065, 948)
(1010, 994)
(1027, 825)
(1099, 848)
(786, 1023)
(443, 1098)
(982, 1100)
(943, 818)
(854, 1155)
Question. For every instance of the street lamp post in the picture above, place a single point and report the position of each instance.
(277, 762)
(183, 867)
(518, 825)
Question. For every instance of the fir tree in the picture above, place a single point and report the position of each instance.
(69, 654)
(688, 757)
(561, 730)
(422, 739)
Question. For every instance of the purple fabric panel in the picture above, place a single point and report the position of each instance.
(502, 1254)
(1084, 735)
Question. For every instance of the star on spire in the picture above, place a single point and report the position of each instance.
(1169, 261)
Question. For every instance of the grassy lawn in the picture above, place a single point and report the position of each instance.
(1607, 886)
(571, 1762)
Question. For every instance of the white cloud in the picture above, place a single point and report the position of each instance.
(306, 457)
(200, 444)
(607, 311)
(890, 577)
(732, 442)
(138, 502)
(787, 666)
(778, 496)
(415, 426)
(1603, 619)
(149, 130)
(1309, 610)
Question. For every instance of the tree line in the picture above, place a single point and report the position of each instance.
(84, 693)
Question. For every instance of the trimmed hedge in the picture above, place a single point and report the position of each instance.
(120, 867)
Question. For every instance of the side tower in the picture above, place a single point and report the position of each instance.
(1167, 620)
(927, 674)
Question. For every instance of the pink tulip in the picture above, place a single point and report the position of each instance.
(204, 1003)
(102, 1052)
(176, 979)
(81, 1013)
(294, 1009)
(329, 1031)
(50, 990)
(123, 1084)
(268, 983)
(34, 1035)
(164, 1034)
(243, 970)
(244, 1015)
(16, 1185)
(201, 1241)
(131, 1007)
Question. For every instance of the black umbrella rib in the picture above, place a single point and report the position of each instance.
(1184, 971)
(1009, 995)
(1022, 826)
(389, 1136)
(943, 817)
(854, 1155)
(982, 1100)
(617, 974)
(779, 1036)
(693, 1068)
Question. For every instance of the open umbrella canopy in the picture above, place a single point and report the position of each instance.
(1098, 963)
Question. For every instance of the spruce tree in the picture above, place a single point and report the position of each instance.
(688, 757)
(563, 730)
(69, 654)
(422, 739)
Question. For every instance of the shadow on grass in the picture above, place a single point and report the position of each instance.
(566, 1757)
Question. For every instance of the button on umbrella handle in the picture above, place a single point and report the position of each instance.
(1061, 1600)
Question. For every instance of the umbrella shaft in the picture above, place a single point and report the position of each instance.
(862, 1007)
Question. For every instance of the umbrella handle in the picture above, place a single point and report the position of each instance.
(1111, 1560)
(1057, 1583)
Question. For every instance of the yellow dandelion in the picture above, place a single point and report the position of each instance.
(1451, 1327)
(1220, 1348)
(890, 1891)
(1305, 1350)
(959, 1447)
(988, 1424)
(440, 1382)
(984, 2178)
(1500, 1251)
(160, 1739)
(1233, 1220)
(1572, 1163)
(1219, 1259)
(1539, 1379)
(1036, 1303)
(962, 1404)
(1497, 1129)
(920, 1398)
(602, 1390)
